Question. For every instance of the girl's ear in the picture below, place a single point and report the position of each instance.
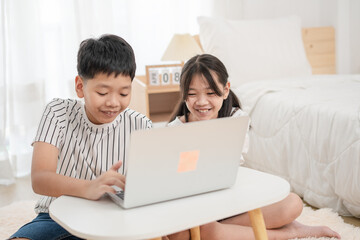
(226, 90)
(79, 87)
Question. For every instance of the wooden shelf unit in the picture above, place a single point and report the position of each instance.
(156, 103)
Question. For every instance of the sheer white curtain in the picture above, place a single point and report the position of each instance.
(6, 175)
(39, 43)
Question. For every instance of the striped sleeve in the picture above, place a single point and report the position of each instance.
(52, 123)
(136, 120)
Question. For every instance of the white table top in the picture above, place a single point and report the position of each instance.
(103, 219)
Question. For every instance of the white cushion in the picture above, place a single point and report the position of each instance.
(256, 49)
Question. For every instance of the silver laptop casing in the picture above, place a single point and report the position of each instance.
(154, 155)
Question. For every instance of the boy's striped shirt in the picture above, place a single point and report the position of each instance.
(86, 150)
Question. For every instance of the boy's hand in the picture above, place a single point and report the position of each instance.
(102, 184)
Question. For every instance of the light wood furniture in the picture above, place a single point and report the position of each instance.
(103, 219)
(156, 103)
(319, 46)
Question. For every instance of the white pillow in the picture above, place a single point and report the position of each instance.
(256, 49)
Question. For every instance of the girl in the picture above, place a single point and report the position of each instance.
(206, 94)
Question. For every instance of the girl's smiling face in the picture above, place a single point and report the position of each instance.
(105, 96)
(202, 101)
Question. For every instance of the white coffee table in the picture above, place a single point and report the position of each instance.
(103, 219)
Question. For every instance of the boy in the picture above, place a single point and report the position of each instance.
(80, 148)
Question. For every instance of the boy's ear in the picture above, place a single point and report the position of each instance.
(226, 90)
(79, 85)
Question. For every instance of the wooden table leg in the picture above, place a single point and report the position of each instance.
(195, 233)
(258, 224)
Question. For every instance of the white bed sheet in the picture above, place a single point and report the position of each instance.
(307, 130)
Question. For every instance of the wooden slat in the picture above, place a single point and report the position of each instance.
(321, 60)
(319, 47)
(319, 44)
(324, 70)
(318, 34)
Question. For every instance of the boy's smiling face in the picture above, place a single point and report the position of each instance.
(106, 96)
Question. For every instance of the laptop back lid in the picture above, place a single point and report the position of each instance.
(179, 161)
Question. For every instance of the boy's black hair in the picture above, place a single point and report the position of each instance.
(108, 54)
(205, 65)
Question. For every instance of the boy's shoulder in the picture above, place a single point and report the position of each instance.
(60, 107)
(137, 117)
(63, 102)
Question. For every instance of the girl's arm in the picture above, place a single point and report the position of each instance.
(46, 181)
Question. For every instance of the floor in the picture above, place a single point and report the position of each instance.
(22, 190)
(351, 220)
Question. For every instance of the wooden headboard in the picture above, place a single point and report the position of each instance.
(319, 46)
(319, 43)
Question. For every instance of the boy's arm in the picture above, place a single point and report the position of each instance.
(46, 181)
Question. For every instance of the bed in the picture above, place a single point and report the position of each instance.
(305, 118)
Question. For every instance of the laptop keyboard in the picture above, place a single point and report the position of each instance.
(120, 194)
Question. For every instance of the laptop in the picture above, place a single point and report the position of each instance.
(179, 161)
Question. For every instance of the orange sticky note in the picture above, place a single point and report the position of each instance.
(188, 161)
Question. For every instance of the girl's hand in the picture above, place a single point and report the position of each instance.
(103, 183)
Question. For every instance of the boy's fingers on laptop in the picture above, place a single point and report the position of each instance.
(117, 182)
(116, 166)
(96, 191)
(122, 178)
(111, 190)
(103, 184)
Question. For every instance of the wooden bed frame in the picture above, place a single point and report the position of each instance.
(319, 46)
(319, 43)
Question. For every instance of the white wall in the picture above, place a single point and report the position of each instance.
(355, 36)
(2, 73)
(344, 15)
